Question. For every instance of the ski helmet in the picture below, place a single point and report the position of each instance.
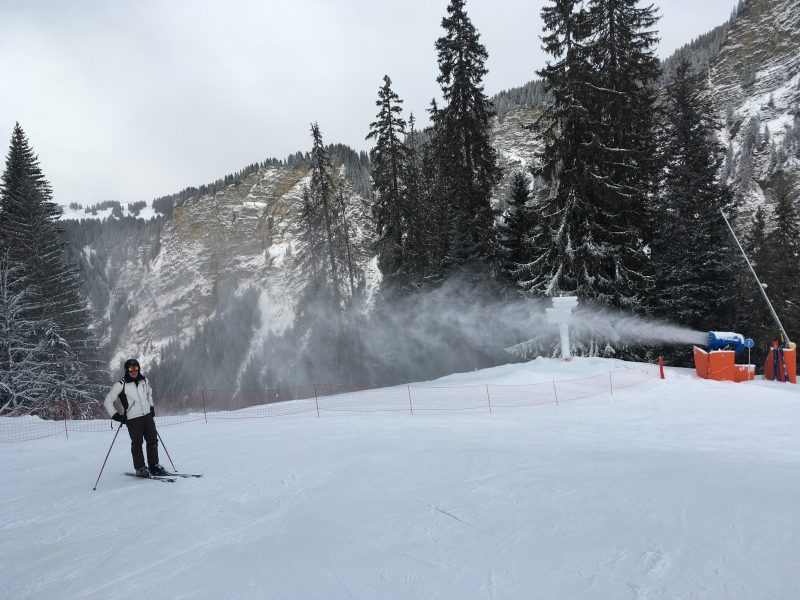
(132, 362)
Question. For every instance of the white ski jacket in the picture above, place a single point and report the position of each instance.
(138, 394)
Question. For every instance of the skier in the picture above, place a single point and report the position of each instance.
(130, 402)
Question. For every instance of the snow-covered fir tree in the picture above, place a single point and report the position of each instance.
(514, 230)
(622, 52)
(332, 282)
(598, 150)
(692, 249)
(33, 246)
(436, 231)
(784, 243)
(566, 258)
(752, 313)
(25, 380)
(390, 165)
(466, 161)
(326, 228)
(417, 210)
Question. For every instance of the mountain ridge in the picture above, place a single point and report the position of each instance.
(240, 231)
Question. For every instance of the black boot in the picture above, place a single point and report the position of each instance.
(158, 471)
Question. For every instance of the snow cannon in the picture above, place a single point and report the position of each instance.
(718, 359)
(561, 314)
(727, 340)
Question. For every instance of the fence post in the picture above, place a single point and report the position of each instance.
(611, 383)
(488, 398)
(555, 392)
(316, 399)
(203, 396)
(411, 406)
(65, 413)
(661, 364)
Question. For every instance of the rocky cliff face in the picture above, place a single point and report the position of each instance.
(211, 246)
(516, 144)
(755, 84)
(756, 71)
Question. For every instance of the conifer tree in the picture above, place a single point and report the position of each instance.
(417, 211)
(25, 381)
(752, 314)
(434, 197)
(625, 69)
(596, 153)
(692, 250)
(466, 160)
(322, 197)
(390, 165)
(569, 257)
(514, 232)
(330, 276)
(33, 243)
(622, 53)
(311, 242)
(784, 247)
(326, 254)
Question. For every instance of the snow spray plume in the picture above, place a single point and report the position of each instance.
(620, 328)
(457, 326)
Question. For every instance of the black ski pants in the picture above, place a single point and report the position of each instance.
(143, 428)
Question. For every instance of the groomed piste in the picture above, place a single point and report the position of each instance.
(675, 488)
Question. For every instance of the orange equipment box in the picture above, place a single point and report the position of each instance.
(721, 366)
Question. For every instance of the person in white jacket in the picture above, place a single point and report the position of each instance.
(130, 401)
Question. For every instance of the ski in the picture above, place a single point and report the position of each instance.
(162, 479)
(775, 373)
(782, 362)
(184, 475)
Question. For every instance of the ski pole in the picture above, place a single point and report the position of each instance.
(167, 451)
(107, 454)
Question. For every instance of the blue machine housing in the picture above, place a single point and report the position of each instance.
(726, 340)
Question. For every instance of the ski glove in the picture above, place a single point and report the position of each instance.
(119, 418)
(152, 411)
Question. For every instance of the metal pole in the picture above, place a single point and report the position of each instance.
(107, 453)
(65, 412)
(760, 286)
(167, 451)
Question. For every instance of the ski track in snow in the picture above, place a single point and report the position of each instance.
(681, 488)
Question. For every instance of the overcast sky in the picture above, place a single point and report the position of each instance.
(131, 100)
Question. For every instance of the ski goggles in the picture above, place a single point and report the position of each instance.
(132, 369)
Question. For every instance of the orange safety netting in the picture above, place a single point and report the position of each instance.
(202, 405)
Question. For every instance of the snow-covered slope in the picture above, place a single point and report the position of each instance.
(682, 488)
